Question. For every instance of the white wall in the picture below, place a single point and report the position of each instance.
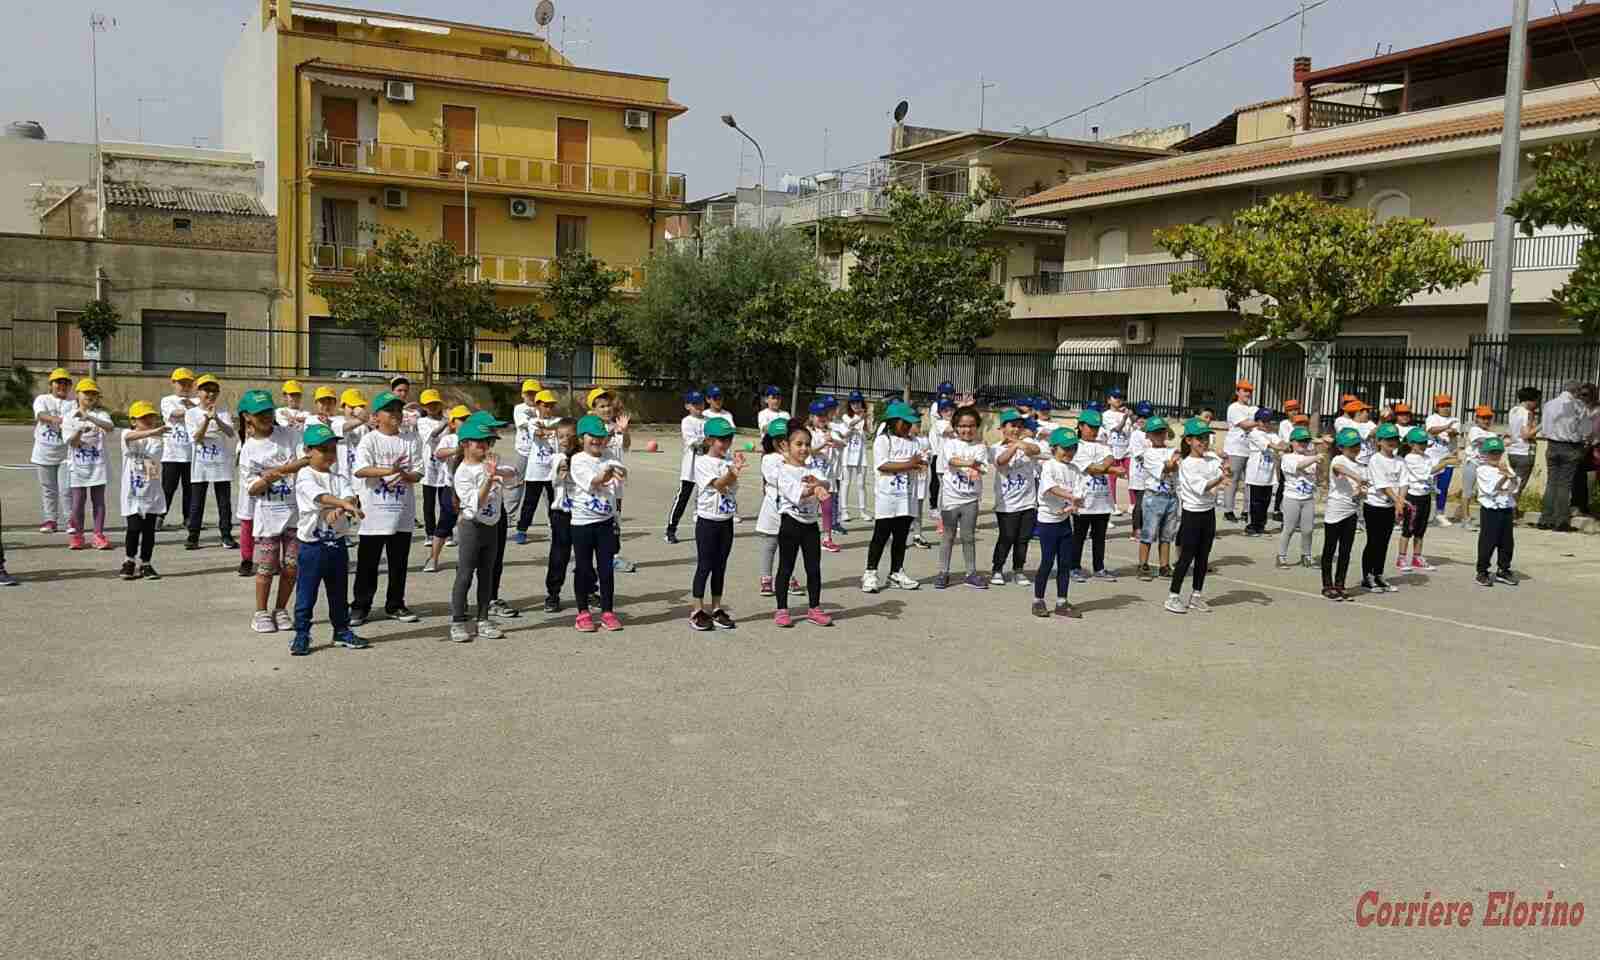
(58, 164)
(250, 104)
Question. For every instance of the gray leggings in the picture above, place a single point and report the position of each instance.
(962, 521)
(1237, 464)
(1469, 487)
(769, 549)
(475, 551)
(50, 485)
(1301, 515)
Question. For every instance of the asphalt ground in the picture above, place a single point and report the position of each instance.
(937, 775)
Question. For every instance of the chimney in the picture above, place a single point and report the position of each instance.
(1302, 92)
(1302, 66)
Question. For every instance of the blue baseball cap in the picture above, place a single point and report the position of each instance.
(831, 400)
(1143, 409)
(945, 403)
(694, 396)
(856, 397)
(947, 387)
(1022, 402)
(1031, 424)
(1043, 404)
(714, 391)
(817, 406)
(1096, 406)
(1265, 413)
(772, 391)
(1115, 392)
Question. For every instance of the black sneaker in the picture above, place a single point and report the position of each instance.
(552, 605)
(128, 571)
(1039, 609)
(193, 543)
(1277, 516)
(350, 641)
(402, 614)
(229, 542)
(700, 620)
(1383, 586)
(1165, 571)
(1145, 573)
(1507, 577)
(1067, 611)
(358, 618)
(1332, 593)
(299, 646)
(1367, 585)
(246, 568)
(671, 536)
(148, 572)
(1231, 517)
(1484, 580)
(723, 621)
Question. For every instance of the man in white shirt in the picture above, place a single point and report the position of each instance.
(387, 468)
(1241, 420)
(1566, 428)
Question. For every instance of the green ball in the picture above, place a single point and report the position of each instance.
(748, 445)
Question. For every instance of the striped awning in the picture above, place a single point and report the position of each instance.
(345, 80)
(1084, 354)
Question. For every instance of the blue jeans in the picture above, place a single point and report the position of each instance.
(1055, 549)
(1442, 489)
(1160, 515)
(325, 565)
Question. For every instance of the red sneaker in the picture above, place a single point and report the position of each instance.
(816, 616)
(75, 542)
(830, 546)
(100, 542)
(585, 623)
(766, 586)
(610, 622)
(49, 526)
(780, 618)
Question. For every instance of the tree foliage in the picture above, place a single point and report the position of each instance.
(416, 290)
(580, 308)
(804, 316)
(1295, 266)
(924, 286)
(691, 323)
(1566, 193)
(97, 321)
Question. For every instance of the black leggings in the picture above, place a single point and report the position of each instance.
(1417, 510)
(933, 484)
(1084, 527)
(1260, 501)
(805, 539)
(531, 490)
(141, 536)
(882, 529)
(1380, 527)
(430, 507)
(1340, 536)
(173, 475)
(197, 506)
(1137, 496)
(499, 554)
(596, 547)
(555, 576)
(679, 503)
(396, 549)
(713, 542)
(1015, 530)
(1495, 536)
(1196, 531)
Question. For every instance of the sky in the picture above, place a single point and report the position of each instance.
(814, 84)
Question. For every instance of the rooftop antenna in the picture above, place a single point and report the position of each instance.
(1302, 28)
(900, 111)
(983, 89)
(542, 15)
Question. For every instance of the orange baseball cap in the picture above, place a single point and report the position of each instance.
(1346, 398)
(1442, 400)
(1291, 404)
(1244, 385)
(1402, 407)
(1483, 410)
(1355, 405)
(1299, 418)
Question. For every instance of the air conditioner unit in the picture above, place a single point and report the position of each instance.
(636, 119)
(400, 91)
(394, 198)
(1335, 186)
(1137, 333)
(521, 208)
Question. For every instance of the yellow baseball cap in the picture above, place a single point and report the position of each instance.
(352, 398)
(325, 393)
(594, 395)
(292, 386)
(460, 412)
(531, 386)
(546, 396)
(87, 385)
(431, 396)
(140, 409)
(206, 379)
(182, 373)
(60, 373)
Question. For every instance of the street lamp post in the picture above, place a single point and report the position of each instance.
(727, 118)
(463, 168)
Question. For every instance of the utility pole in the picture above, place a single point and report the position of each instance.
(98, 23)
(983, 90)
(1499, 321)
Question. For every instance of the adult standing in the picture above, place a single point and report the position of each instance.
(50, 447)
(1580, 476)
(1241, 420)
(1566, 427)
(177, 450)
(1523, 428)
(388, 466)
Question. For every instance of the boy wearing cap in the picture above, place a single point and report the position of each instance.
(290, 416)
(176, 448)
(619, 441)
(1236, 446)
(324, 513)
(1291, 419)
(1497, 486)
(268, 462)
(50, 454)
(716, 476)
(1094, 514)
(86, 428)
(1298, 488)
(1419, 480)
(939, 430)
(1443, 428)
(213, 436)
(440, 455)
(435, 474)
(539, 472)
(1481, 430)
(1261, 468)
(692, 428)
(714, 407)
(523, 416)
(1155, 468)
(1384, 507)
(350, 426)
(142, 500)
(1138, 443)
(1117, 430)
(387, 468)
(772, 408)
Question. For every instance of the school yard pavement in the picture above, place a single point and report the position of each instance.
(937, 775)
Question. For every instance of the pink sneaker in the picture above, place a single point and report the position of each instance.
(610, 622)
(816, 616)
(49, 526)
(1417, 563)
(75, 542)
(830, 546)
(780, 618)
(766, 586)
(585, 623)
(794, 583)
(1401, 564)
(100, 542)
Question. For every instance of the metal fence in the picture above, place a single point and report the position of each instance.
(1176, 381)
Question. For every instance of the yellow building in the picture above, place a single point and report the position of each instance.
(488, 137)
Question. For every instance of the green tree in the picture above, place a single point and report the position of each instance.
(1293, 265)
(414, 290)
(1566, 193)
(690, 326)
(803, 316)
(923, 285)
(580, 308)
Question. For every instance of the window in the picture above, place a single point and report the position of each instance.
(184, 338)
(1391, 204)
(1111, 250)
(1372, 368)
(335, 348)
(181, 224)
(574, 367)
(572, 233)
(324, 27)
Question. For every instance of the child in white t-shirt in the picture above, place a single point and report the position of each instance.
(595, 476)
(1200, 474)
(1261, 468)
(540, 462)
(1016, 498)
(715, 477)
(1298, 470)
(86, 429)
(897, 460)
(1347, 488)
(441, 450)
(324, 515)
(1062, 485)
(853, 476)
(1117, 434)
(963, 465)
(1383, 508)
(692, 428)
(1156, 470)
(774, 448)
(479, 487)
(1497, 486)
(555, 577)
(1481, 430)
(1138, 443)
(801, 493)
(1443, 430)
(143, 501)
(1094, 514)
(1419, 473)
(269, 462)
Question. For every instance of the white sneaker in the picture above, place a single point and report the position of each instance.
(1442, 520)
(459, 633)
(1021, 579)
(1198, 604)
(283, 619)
(263, 623)
(1175, 605)
(998, 579)
(900, 581)
(488, 631)
(429, 566)
(869, 582)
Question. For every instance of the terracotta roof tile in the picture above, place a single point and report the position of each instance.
(1283, 152)
(183, 199)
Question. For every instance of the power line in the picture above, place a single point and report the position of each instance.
(1567, 29)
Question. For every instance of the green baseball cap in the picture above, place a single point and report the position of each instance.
(317, 434)
(474, 431)
(1300, 433)
(482, 417)
(718, 427)
(1008, 416)
(1388, 431)
(1090, 418)
(255, 401)
(1195, 427)
(1155, 425)
(900, 410)
(593, 426)
(1063, 438)
(1417, 435)
(1493, 445)
(1347, 437)
(778, 428)
(384, 399)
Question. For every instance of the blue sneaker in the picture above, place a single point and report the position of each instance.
(522, 536)
(1078, 576)
(299, 646)
(6, 579)
(350, 641)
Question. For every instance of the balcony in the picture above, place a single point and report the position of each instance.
(501, 269)
(1329, 113)
(1127, 277)
(864, 191)
(493, 169)
(338, 257)
(1555, 251)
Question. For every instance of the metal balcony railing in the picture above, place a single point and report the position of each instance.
(534, 173)
(1126, 277)
(1556, 251)
(338, 257)
(1327, 113)
(517, 271)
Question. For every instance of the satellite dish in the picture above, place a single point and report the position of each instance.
(900, 110)
(544, 13)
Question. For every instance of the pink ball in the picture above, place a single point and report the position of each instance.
(652, 446)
